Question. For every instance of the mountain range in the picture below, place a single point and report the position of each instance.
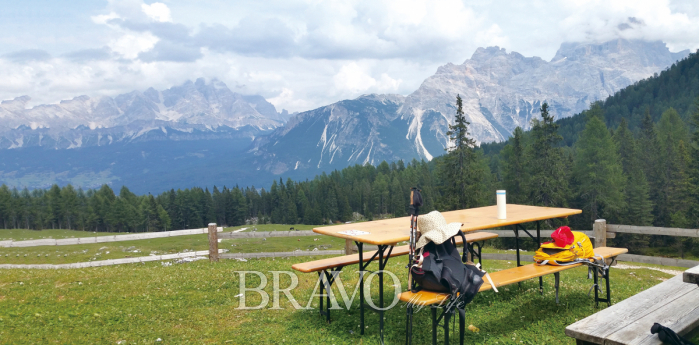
(191, 111)
(202, 133)
(500, 91)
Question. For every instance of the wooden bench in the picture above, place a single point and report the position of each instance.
(329, 268)
(502, 278)
(672, 303)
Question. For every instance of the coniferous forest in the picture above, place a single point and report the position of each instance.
(631, 159)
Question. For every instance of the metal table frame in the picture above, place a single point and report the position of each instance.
(327, 278)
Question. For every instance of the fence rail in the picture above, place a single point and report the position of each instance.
(102, 239)
(652, 230)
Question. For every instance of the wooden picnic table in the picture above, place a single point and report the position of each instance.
(394, 230)
(691, 275)
(386, 233)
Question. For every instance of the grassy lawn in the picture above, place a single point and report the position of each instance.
(196, 303)
(25, 235)
(282, 244)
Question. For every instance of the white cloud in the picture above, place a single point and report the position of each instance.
(305, 54)
(157, 11)
(352, 78)
(104, 18)
(130, 45)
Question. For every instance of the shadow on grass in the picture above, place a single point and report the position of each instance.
(513, 312)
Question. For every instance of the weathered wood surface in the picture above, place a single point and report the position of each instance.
(629, 321)
(651, 230)
(110, 262)
(599, 231)
(102, 239)
(656, 260)
(387, 231)
(691, 276)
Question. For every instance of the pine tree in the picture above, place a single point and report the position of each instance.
(461, 177)
(547, 183)
(598, 171)
(639, 208)
(514, 174)
(693, 171)
(652, 167)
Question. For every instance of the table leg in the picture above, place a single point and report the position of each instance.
(381, 267)
(538, 241)
(514, 227)
(360, 247)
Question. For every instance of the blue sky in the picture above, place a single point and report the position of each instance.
(299, 54)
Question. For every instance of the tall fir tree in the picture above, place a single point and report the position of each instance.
(693, 170)
(461, 177)
(514, 174)
(598, 172)
(639, 208)
(652, 167)
(547, 182)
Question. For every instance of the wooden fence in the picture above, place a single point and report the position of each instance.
(602, 231)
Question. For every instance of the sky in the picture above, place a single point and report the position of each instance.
(298, 54)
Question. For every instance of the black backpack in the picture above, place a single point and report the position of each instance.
(443, 270)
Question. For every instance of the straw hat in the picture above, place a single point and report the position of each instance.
(434, 228)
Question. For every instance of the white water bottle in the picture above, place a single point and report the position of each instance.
(502, 204)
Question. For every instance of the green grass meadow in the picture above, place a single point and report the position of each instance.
(196, 303)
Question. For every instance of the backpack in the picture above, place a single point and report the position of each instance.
(566, 248)
(440, 268)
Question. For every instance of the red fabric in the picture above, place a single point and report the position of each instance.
(563, 236)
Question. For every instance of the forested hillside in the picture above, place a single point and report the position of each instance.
(631, 159)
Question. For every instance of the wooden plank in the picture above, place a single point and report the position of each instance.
(681, 315)
(597, 327)
(387, 231)
(652, 230)
(691, 275)
(656, 260)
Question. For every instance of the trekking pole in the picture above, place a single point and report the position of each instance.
(415, 203)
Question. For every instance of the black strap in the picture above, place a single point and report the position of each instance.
(464, 256)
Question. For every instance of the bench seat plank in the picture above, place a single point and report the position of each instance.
(671, 303)
(507, 277)
(323, 264)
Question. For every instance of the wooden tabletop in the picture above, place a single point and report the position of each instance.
(394, 230)
(691, 275)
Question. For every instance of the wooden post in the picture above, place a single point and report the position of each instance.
(350, 247)
(599, 229)
(213, 242)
